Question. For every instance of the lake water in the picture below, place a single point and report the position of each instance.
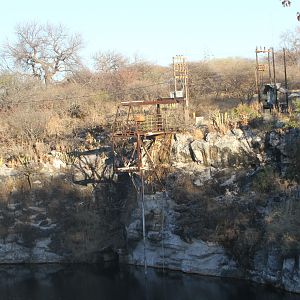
(91, 282)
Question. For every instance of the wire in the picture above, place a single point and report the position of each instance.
(123, 93)
(92, 95)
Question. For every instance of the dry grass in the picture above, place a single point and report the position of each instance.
(50, 124)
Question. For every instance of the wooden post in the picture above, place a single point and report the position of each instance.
(285, 80)
(274, 78)
(269, 67)
(256, 76)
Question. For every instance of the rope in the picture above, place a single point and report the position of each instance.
(162, 228)
(142, 195)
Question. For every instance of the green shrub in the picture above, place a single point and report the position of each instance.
(265, 180)
(293, 171)
(292, 122)
(244, 113)
(283, 226)
(296, 104)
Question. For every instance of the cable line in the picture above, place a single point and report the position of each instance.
(91, 95)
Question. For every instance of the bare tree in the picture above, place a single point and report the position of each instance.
(290, 40)
(48, 52)
(109, 61)
(288, 3)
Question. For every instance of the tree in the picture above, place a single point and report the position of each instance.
(290, 40)
(123, 77)
(287, 3)
(230, 78)
(204, 80)
(46, 51)
(109, 61)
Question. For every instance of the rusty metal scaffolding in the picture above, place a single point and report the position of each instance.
(180, 73)
(139, 126)
(139, 123)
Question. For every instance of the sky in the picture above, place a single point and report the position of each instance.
(156, 30)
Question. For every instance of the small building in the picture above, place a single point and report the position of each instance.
(274, 96)
(269, 96)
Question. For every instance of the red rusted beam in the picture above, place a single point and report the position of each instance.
(154, 102)
(145, 133)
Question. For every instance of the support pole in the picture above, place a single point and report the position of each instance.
(269, 67)
(285, 80)
(159, 125)
(273, 62)
(142, 196)
(256, 84)
(256, 76)
(187, 100)
(274, 78)
(174, 75)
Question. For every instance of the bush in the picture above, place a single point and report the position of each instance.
(266, 180)
(293, 171)
(292, 123)
(296, 105)
(283, 228)
(244, 113)
(76, 111)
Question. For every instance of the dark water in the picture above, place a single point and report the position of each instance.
(90, 282)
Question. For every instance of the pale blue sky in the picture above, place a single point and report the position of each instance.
(158, 30)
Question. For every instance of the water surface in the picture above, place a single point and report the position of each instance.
(92, 282)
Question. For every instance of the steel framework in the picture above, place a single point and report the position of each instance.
(139, 124)
(137, 127)
(180, 73)
(142, 132)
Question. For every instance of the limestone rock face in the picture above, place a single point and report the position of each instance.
(282, 146)
(165, 248)
(180, 152)
(183, 228)
(12, 250)
(291, 275)
(53, 220)
(271, 268)
(217, 150)
(168, 249)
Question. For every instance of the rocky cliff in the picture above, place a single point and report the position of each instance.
(230, 208)
(63, 211)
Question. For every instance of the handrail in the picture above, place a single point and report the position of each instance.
(148, 123)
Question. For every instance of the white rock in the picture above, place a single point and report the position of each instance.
(274, 139)
(58, 164)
